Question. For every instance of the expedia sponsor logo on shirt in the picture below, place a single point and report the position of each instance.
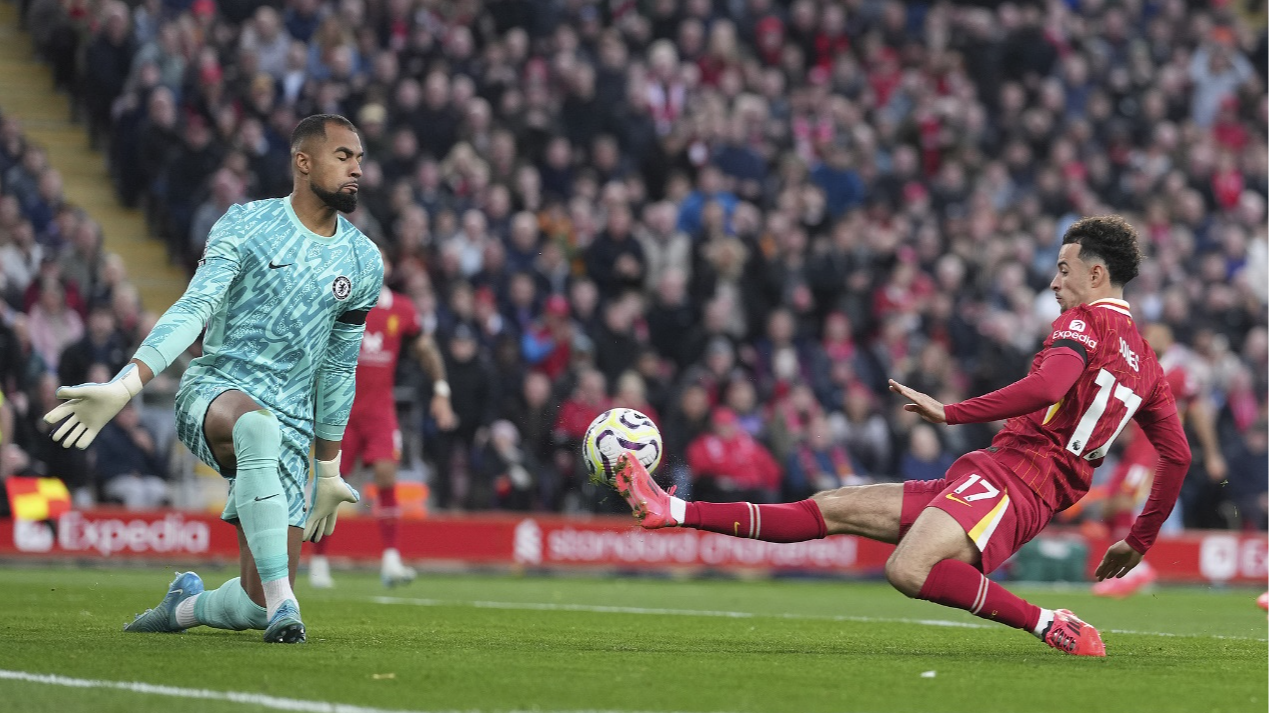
(1074, 336)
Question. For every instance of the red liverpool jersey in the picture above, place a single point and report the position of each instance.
(393, 320)
(1055, 450)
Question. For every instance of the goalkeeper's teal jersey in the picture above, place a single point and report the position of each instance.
(280, 306)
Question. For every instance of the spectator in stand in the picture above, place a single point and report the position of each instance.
(818, 463)
(20, 259)
(101, 345)
(471, 381)
(547, 345)
(46, 457)
(864, 431)
(1248, 462)
(588, 399)
(129, 464)
(226, 190)
(633, 393)
(507, 476)
(925, 458)
(615, 261)
(728, 465)
(54, 325)
(81, 259)
(106, 67)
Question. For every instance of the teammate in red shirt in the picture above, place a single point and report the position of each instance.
(1093, 375)
(372, 436)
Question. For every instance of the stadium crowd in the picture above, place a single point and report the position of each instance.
(739, 216)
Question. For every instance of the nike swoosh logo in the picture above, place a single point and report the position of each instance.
(949, 497)
(268, 496)
(274, 267)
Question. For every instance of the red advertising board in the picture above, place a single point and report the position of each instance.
(557, 542)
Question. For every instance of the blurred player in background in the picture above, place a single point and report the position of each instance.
(1094, 373)
(373, 437)
(284, 289)
(1129, 484)
(6, 435)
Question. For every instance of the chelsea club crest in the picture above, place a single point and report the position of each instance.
(342, 288)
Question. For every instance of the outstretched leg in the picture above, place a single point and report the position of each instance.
(935, 559)
(871, 511)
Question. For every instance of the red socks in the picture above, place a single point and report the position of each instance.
(388, 516)
(954, 583)
(785, 522)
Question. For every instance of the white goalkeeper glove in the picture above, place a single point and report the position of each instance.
(329, 491)
(91, 406)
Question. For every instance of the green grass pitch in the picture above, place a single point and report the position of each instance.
(508, 643)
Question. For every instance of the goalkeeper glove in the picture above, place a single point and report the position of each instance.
(91, 406)
(329, 491)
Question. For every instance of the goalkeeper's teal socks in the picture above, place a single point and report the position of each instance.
(262, 503)
(227, 607)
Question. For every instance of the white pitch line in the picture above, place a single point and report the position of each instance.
(256, 699)
(240, 697)
(669, 612)
(536, 606)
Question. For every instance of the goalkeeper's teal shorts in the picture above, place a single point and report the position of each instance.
(192, 399)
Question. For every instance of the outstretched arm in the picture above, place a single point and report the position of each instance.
(1042, 388)
(182, 322)
(90, 406)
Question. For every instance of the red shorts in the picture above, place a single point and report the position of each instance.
(999, 512)
(370, 436)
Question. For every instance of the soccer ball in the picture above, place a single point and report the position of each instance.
(614, 432)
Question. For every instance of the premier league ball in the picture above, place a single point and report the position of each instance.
(614, 432)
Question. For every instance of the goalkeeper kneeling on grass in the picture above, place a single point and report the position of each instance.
(283, 289)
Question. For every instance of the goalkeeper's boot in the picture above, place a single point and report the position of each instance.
(285, 626)
(393, 572)
(163, 616)
(651, 504)
(319, 573)
(1068, 633)
(1141, 577)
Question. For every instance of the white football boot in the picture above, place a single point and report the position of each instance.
(393, 571)
(319, 573)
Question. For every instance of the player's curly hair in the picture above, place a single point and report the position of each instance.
(1112, 240)
(315, 127)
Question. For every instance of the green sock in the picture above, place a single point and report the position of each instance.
(262, 504)
(229, 607)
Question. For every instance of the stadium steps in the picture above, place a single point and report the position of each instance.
(26, 92)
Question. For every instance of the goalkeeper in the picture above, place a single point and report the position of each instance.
(283, 289)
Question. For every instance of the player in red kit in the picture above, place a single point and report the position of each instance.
(1093, 375)
(372, 436)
